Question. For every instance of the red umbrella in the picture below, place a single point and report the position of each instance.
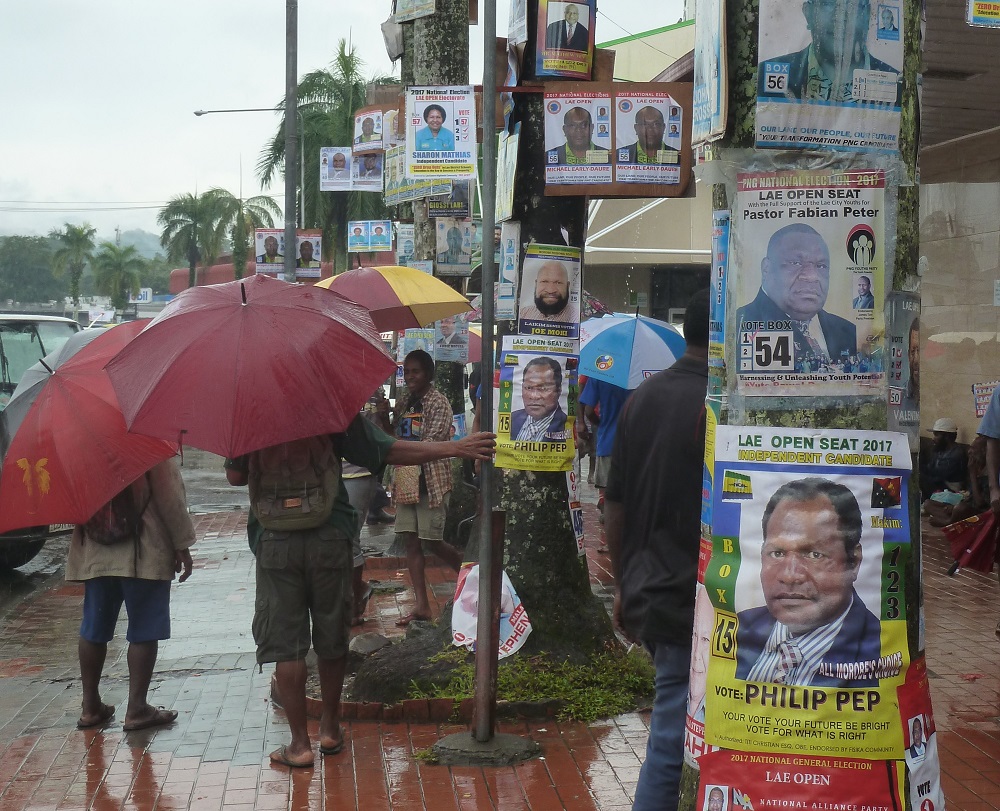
(973, 542)
(234, 367)
(66, 448)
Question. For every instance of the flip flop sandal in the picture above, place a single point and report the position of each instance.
(280, 757)
(104, 716)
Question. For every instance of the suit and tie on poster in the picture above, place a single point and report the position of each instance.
(368, 130)
(647, 138)
(576, 151)
(366, 173)
(451, 339)
(534, 415)
(441, 132)
(269, 248)
(308, 253)
(806, 242)
(454, 240)
(564, 45)
(807, 575)
(828, 76)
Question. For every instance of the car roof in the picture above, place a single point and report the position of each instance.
(26, 317)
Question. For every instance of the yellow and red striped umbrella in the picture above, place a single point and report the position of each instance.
(398, 297)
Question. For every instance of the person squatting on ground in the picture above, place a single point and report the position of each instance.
(300, 528)
(653, 530)
(129, 552)
(421, 495)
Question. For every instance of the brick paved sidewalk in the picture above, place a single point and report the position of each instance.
(215, 757)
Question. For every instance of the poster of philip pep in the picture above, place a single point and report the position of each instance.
(809, 286)
(810, 540)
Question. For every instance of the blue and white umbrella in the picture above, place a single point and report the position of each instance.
(626, 353)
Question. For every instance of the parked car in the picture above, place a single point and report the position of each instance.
(25, 340)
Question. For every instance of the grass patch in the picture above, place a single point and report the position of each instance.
(610, 683)
(426, 756)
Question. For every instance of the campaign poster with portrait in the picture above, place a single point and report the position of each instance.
(454, 246)
(808, 282)
(534, 412)
(359, 236)
(308, 253)
(919, 729)
(507, 270)
(368, 130)
(575, 152)
(405, 242)
(451, 339)
(414, 339)
(711, 88)
(380, 232)
(335, 168)
(807, 576)
(549, 303)
(269, 249)
(902, 335)
(366, 172)
(564, 44)
(647, 138)
(457, 204)
(829, 76)
(734, 781)
(413, 9)
(441, 132)
(401, 189)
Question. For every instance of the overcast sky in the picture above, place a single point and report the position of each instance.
(98, 97)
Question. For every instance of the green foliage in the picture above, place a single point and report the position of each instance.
(26, 270)
(327, 100)
(609, 683)
(238, 218)
(428, 756)
(156, 275)
(76, 247)
(116, 272)
(190, 230)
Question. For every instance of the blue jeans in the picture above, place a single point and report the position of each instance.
(660, 775)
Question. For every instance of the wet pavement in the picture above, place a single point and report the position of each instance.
(215, 757)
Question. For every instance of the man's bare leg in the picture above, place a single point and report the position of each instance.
(92, 656)
(291, 679)
(331, 683)
(415, 564)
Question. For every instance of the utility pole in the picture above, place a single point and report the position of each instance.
(291, 126)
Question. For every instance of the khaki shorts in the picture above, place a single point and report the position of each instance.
(601, 471)
(301, 576)
(426, 521)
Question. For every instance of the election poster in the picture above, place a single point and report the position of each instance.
(364, 236)
(577, 150)
(711, 88)
(535, 405)
(517, 22)
(920, 733)
(454, 246)
(734, 781)
(405, 243)
(414, 339)
(368, 130)
(335, 168)
(507, 270)
(451, 339)
(574, 506)
(980, 13)
(506, 169)
(380, 238)
(717, 308)
(401, 189)
(308, 252)
(441, 132)
(982, 393)
(903, 347)
(366, 172)
(647, 138)
(807, 576)
(829, 75)
(808, 283)
(564, 44)
(456, 204)
(269, 248)
(413, 9)
(550, 291)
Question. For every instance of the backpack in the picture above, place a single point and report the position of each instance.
(295, 485)
(117, 521)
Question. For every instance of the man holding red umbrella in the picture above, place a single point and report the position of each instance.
(304, 575)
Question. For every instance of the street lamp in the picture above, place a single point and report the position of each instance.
(289, 249)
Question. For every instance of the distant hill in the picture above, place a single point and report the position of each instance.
(147, 244)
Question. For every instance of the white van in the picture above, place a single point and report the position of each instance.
(25, 340)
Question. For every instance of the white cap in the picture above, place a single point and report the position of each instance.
(945, 425)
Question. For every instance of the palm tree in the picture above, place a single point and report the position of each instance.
(240, 218)
(328, 100)
(116, 272)
(190, 231)
(76, 247)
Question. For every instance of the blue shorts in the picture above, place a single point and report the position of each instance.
(147, 603)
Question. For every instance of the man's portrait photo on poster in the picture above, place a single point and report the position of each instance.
(540, 386)
(809, 584)
(550, 294)
(568, 27)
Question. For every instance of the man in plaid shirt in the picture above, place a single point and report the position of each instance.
(425, 416)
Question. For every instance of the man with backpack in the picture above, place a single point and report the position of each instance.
(129, 552)
(300, 529)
